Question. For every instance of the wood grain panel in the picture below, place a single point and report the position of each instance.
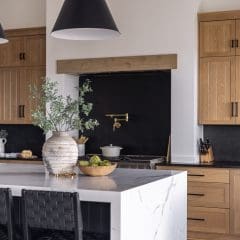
(213, 220)
(235, 201)
(217, 16)
(210, 236)
(214, 195)
(117, 64)
(238, 36)
(216, 90)
(202, 175)
(215, 38)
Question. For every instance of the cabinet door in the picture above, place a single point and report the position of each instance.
(237, 87)
(235, 201)
(35, 50)
(4, 55)
(216, 38)
(238, 36)
(15, 52)
(28, 77)
(216, 90)
(9, 96)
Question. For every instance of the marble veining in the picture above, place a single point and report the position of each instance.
(145, 204)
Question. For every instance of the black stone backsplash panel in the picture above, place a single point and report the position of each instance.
(146, 96)
(22, 137)
(225, 140)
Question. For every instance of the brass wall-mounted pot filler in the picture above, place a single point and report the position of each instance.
(117, 118)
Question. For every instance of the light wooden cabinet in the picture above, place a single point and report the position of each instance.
(209, 202)
(219, 68)
(217, 38)
(25, 48)
(217, 90)
(15, 102)
(9, 93)
(235, 202)
(22, 63)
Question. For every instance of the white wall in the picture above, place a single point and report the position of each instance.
(22, 13)
(219, 5)
(148, 27)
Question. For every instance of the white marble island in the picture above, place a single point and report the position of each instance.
(145, 204)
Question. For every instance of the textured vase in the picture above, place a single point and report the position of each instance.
(60, 154)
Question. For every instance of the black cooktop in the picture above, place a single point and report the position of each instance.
(131, 158)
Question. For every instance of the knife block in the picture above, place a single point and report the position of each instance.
(207, 157)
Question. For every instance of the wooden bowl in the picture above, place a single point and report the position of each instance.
(98, 171)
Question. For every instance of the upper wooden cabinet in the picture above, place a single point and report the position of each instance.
(219, 68)
(216, 90)
(217, 38)
(22, 63)
(25, 48)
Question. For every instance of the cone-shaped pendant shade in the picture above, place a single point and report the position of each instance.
(85, 20)
(2, 36)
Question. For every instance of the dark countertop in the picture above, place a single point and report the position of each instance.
(215, 164)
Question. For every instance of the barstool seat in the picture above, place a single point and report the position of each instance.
(54, 213)
(6, 227)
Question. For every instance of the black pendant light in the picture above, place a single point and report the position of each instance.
(2, 35)
(85, 20)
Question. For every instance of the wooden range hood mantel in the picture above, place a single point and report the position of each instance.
(117, 64)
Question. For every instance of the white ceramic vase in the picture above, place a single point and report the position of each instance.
(60, 154)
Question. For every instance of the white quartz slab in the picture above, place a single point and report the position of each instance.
(145, 204)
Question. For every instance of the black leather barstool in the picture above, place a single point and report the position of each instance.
(6, 225)
(51, 211)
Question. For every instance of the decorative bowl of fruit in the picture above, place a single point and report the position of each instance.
(96, 167)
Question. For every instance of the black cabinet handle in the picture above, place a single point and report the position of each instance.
(196, 194)
(24, 56)
(20, 56)
(232, 43)
(236, 109)
(23, 111)
(196, 175)
(19, 111)
(196, 219)
(236, 43)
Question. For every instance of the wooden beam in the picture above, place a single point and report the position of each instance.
(117, 64)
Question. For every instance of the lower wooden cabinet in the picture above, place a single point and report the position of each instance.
(213, 202)
(235, 202)
(215, 195)
(15, 102)
(212, 220)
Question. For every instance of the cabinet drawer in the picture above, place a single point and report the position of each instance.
(200, 174)
(208, 195)
(212, 220)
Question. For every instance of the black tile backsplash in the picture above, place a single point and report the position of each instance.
(146, 96)
(24, 137)
(225, 140)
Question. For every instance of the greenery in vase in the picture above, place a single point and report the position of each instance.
(3, 133)
(55, 112)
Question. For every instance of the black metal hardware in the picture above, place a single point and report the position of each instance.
(196, 219)
(196, 175)
(23, 111)
(232, 44)
(24, 56)
(20, 56)
(236, 109)
(196, 194)
(236, 45)
(233, 109)
(20, 111)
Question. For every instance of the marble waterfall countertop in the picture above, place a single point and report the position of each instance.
(145, 204)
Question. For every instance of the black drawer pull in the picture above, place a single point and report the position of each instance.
(196, 219)
(196, 175)
(196, 194)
